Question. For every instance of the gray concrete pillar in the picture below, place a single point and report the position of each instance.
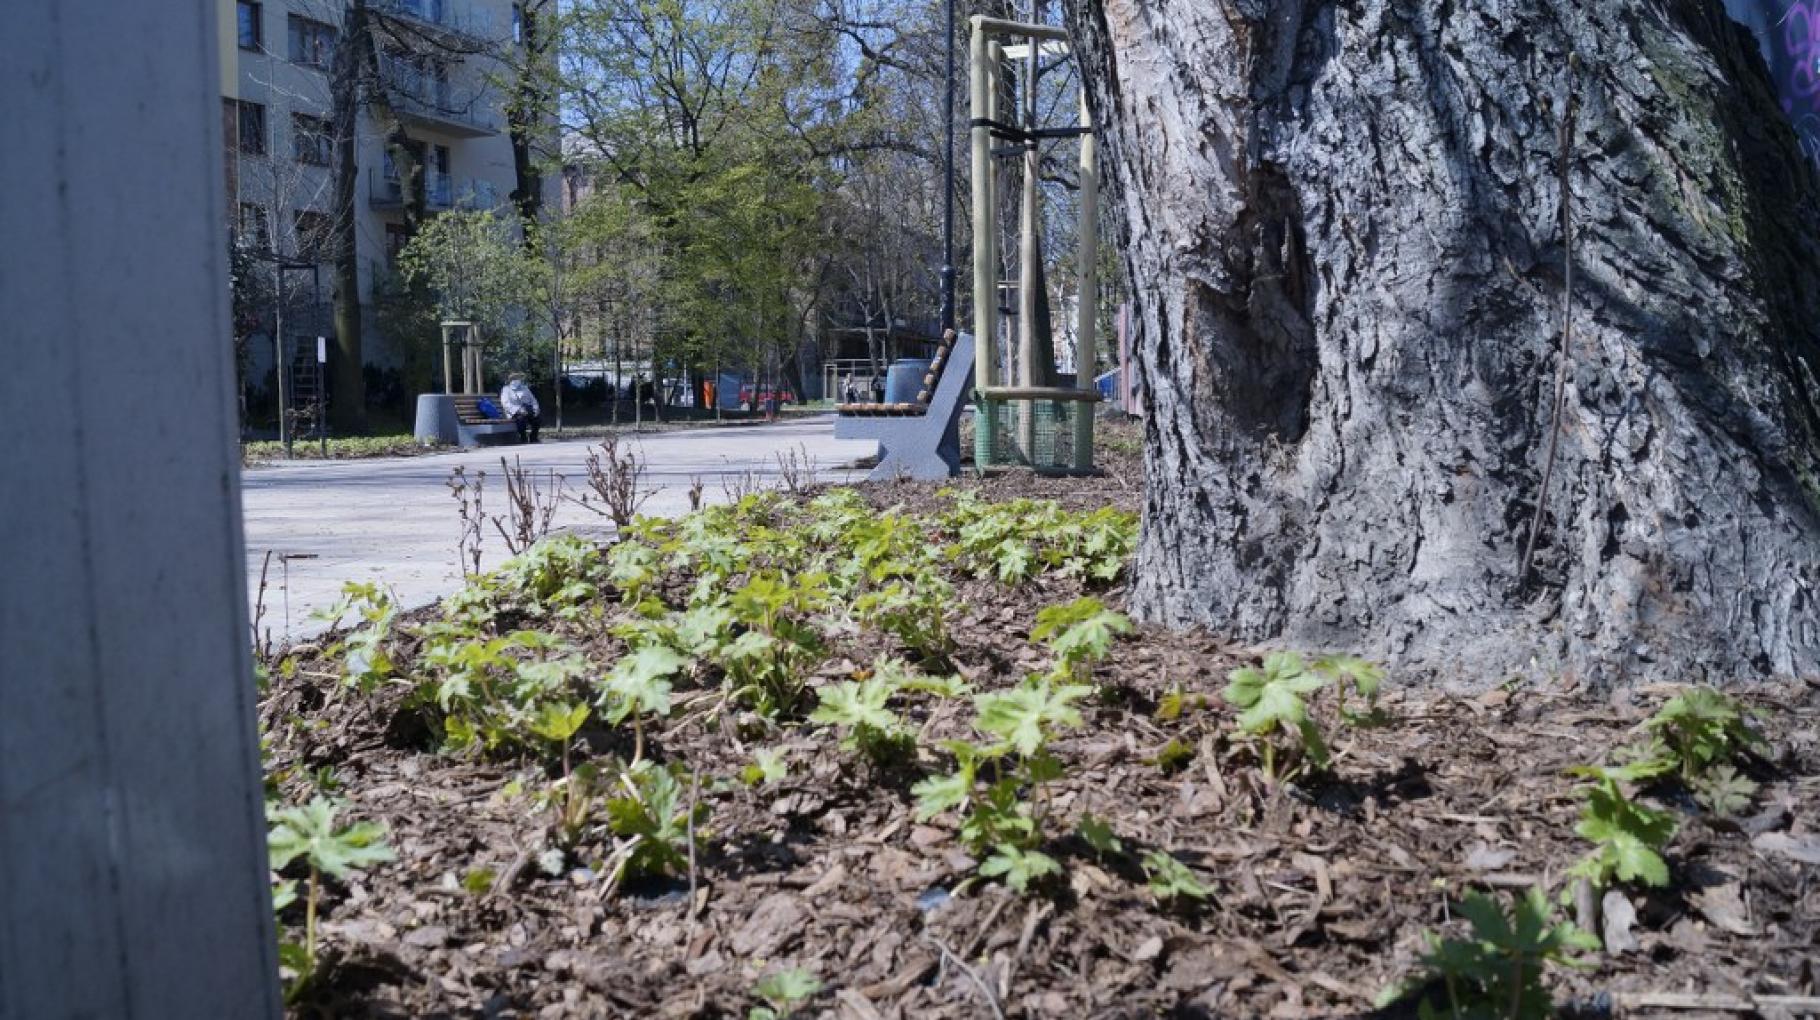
(132, 841)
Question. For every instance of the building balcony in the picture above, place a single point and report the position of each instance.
(440, 192)
(442, 113)
(385, 192)
(425, 96)
(455, 21)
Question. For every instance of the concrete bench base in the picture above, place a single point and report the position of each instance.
(440, 421)
(926, 446)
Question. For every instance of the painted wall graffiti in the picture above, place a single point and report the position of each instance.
(1789, 32)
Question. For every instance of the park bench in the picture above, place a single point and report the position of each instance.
(918, 440)
(472, 425)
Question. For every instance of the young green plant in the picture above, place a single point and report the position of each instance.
(1498, 971)
(309, 832)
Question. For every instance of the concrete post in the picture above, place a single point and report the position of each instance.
(133, 880)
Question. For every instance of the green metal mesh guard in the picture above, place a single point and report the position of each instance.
(1046, 435)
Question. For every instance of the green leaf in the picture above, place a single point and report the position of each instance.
(310, 832)
(1018, 866)
(479, 881)
(767, 768)
(557, 722)
(784, 990)
(1724, 792)
(1099, 835)
(857, 704)
(640, 683)
(944, 793)
(1025, 716)
(1080, 631)
(1170, 879)
(658, 817)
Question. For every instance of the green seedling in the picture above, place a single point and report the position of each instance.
(769, 661)
(556, 577)
(1724, 792)
(572, 798)
(859, 708)
(1701, 728)
(1080, 633)
(1174, 756)
(1498, 971)
(782, 992)
(655, 820)
(1018, 866)
(1170, 880)
(1099, 835)
(365, 663)
(1023, 717)
(1004, 826)
(767, 768)
(1272, 707)
(1628, 838)
(912, 608)
(309, 832)
(1170, 707)
(1349, 672)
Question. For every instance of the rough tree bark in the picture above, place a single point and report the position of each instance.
(1341, 224)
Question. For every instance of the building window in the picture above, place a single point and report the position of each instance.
(315, 239)
(252, 33)
(252, 229)
(312, 42)
(397, 235)
(252, 128)
(311, 140)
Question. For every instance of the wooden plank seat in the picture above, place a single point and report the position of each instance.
(918, 440)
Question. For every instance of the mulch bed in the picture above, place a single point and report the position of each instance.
(1321, 892)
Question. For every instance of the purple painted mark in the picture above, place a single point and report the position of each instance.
(1788, 32)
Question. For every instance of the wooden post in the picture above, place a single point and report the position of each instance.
(133, 872)
(1030, 284)
(983, 95)
(1087, 303)
(448, 363)
(985, 233)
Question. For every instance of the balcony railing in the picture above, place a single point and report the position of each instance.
(447, 15)
(385, 191)
(430, 99)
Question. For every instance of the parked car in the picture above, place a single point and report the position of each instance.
(756, 397)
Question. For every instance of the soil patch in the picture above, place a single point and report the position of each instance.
(1321, 891)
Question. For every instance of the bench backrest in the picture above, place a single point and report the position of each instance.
(467, 406)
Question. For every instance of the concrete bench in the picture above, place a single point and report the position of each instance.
(918, 440)
(454, 419)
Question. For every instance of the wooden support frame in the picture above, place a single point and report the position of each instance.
(987, 57)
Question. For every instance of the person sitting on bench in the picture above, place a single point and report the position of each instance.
(521, 406)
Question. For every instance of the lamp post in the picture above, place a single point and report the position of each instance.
(948, 182)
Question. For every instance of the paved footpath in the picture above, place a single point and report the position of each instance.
(394, 521)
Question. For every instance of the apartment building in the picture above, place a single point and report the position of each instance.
(441, 64)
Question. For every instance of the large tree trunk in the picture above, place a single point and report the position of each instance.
(1342, 228)
(348, 397)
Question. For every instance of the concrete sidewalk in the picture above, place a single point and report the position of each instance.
(394, 521)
